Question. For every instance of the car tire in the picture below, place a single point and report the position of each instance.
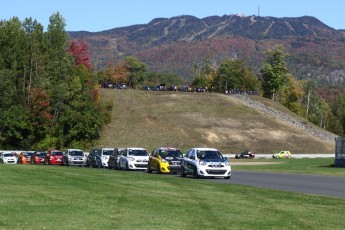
(195, 173)
(183, 173)
(158, 170)
(94, 165)
(127, 167)
(46, 162)
(148, 169)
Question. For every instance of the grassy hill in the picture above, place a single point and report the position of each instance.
(184, 120)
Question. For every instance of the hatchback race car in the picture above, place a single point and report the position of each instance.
(74, 157)
(282, 154)
(205, 162)
(165, 160)
(54, 157)
(133, 159)
(8, 158)
(25, 157)
(38, 157)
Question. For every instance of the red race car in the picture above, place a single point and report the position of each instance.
(54, 157)
(38, 157)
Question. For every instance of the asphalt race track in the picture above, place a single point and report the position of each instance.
(311, 184)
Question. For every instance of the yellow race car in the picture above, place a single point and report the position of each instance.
(282, 154)
(165, 160)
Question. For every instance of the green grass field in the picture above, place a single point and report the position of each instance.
(56, 197)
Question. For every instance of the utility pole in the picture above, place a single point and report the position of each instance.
(308, 104)
(258, 10)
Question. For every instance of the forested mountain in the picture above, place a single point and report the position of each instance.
(316, 51)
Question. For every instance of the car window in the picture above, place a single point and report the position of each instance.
(76, 153)
(209, 154)
(107, 152)
(137, 152)
(56, 153)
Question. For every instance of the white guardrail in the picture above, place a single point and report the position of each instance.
(311, 155)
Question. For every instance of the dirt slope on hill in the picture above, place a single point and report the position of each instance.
(184, 120)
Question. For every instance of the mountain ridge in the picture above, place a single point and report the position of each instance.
(173, 44)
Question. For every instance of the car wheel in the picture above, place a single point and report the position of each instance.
(195, 173)
(94, 165)
(46, 162)
(148, 169)
(127, 167)
(158, 169)
(116, 166)
(183, 173)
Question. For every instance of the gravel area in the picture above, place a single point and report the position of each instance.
(316, 132)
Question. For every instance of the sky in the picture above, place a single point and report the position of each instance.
(95, 16)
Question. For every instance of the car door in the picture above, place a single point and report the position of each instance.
(123, 159)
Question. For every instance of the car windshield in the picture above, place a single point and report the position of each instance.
(107, 152)
(8, 155)
(138, 152)
(42, 154)
(76, 153)
(209, 154)
(56, 153)
(170, 153)
(27, 154)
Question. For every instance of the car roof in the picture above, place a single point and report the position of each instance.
(205, 149)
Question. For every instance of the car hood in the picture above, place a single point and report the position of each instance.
(215, 160)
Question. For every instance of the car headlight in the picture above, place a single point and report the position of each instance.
(227, 163)
(105, 158)
(165, 161)
(131, 158)
(202, 163)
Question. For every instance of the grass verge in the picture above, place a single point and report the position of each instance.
(54, 197)
(320, 166)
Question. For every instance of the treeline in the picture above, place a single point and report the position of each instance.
(48, 95)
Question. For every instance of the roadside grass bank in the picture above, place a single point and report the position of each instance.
(321, 166)
(55, 197)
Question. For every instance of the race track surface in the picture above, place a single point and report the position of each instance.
(311, 184)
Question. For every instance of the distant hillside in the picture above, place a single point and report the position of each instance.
(183, 120)
(173, 44)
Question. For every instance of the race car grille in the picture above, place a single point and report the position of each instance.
(216, 166)
(140, 165)
(175, 163)
(216, 172)
(144, 161)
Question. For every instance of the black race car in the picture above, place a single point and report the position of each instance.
(246, 154)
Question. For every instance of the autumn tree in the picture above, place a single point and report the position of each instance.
(80, 52)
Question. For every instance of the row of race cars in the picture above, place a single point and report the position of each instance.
(198, 162)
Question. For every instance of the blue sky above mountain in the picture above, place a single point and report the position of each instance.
(102, 15)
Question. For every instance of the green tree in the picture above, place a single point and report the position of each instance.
(136, 70)
(234, 74)
(274, 72)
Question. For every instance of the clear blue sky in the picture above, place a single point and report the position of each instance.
(101, 15)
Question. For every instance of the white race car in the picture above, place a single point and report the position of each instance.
(74, 157)
(133, 159)
(8, 158)
(205, 162)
